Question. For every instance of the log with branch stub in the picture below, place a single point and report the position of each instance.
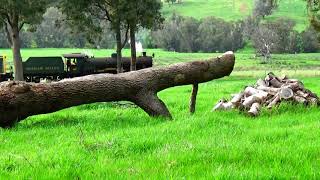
(19, 100)
(269, 93)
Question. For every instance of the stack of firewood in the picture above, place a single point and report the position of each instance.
(269, 92)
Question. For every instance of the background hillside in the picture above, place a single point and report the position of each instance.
(237, 9)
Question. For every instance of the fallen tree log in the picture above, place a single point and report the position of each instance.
(19, 100)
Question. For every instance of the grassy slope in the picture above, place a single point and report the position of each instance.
(107, 140)
(294, 9)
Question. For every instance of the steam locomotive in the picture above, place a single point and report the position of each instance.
(71, 65)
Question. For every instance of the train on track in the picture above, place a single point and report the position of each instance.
(69, 66)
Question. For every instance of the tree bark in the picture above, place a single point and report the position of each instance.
(16, 46)
(119, 51)
(8, 34)
(193, 98)
(19, 100)
(133, 49)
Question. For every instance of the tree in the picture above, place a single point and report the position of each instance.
(309, 40)
(50, 33)
(169, 36)
(3, 39)
(189, 35)
(276, 37)
(314, 13)
(264, 7)
(14, 15)
(86, 16)
(264, 39)
(217, 35)
(144, 14)
(20, 100)
(186, 34)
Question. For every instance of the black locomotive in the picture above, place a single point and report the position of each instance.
(72, 65)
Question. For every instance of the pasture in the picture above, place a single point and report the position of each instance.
(231, 10)
(112, 140)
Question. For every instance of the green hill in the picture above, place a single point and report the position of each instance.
(237, 9)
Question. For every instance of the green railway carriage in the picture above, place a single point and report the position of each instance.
(71, 65)
(43, 67)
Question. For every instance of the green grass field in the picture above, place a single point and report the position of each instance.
(106, 140)
(247, 64)
(237, 9)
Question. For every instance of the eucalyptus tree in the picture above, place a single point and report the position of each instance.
(87, 16)
(314, 13)
(123, 16)
(14, 15)
(264, 7)
(142, 14)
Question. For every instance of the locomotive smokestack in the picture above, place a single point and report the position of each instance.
(144, 54)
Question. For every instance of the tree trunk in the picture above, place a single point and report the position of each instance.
(16, 46)
(19, 100)
(193, 98)
(119, 51)
(8, 34)
(133, 66)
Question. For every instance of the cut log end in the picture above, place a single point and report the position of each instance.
(255, 109)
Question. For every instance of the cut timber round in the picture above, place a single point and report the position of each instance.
(286, 93)
(249, 91)
(236, 100)
(261, 82)
(275, 83)
(255, 109)
(270, 90)
(274, 101)
(250, 100)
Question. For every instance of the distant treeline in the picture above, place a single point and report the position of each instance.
(186, 34)
(180, 34)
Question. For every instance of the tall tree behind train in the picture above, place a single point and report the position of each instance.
(142, 14)
(14, 15)
(314, 13)
(86, 16)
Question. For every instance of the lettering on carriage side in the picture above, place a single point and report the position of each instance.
(49, 68)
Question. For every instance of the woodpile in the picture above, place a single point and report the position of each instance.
(269, 92)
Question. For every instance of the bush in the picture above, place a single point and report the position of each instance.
(277, 37)
(309, 40)
(190, 35)
(264, 7)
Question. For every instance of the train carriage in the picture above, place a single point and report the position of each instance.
(36, 68)
(71, 65)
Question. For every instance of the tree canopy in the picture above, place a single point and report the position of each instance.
(314, 13)
(122, 15)
(14, 14)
